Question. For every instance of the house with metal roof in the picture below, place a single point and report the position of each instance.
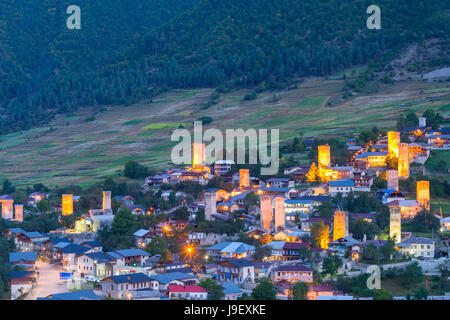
(163, 280)
(238, 271)
(230, 250)
(417, 247)
(231, 291)
(292, 273)
(343, 187)
(118, 286)
(26, 258)
(74, 295)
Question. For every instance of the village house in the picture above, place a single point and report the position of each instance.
(277, 250)
(189, 292)
(238, 271)
(281, 182)
(142, 237)
(343, 187)
(118, 286)
(292, 273)
(21, 282)
(230, 250)
(97, 264)
(291, 250)
(22, 258)
(130, 257)
(162, 281)
(314, 291)
(231, 291)
(29, 241)
(417, 247)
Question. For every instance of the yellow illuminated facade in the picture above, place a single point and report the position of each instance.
(67, 204)
(339, 225)
(403, 161)
(198, 154)
(393, 143)
(244, 178)
(423, 194)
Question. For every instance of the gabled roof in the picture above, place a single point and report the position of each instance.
(165, 278)
(295, 245)
(34, 234)
(16, 230)
(239, 263)
(74, 295)
(415, 240)
(296, 268)
(141, 232)
(232, 247)
(20, 274)
(132, 252)
(230, 288)
(75, 248)
(341, 183)
(22, 256)
(189, 288)
(92, 244)
(129, 278)
(99, 257)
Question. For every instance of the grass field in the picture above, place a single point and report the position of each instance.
(71, 150)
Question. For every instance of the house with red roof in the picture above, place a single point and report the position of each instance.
(187, 292)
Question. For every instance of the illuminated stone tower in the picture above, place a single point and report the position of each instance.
(393, 142)
(198, 154)
(244, 178)
(423, 194)
(7, 208)
(395, 224)
(266, 211)
(106, 200)
(18, 208)
(279, 212)
(67, 204)
(324, 156)
(403, 161)
(210, 205)
(340, 225)
(392, 179)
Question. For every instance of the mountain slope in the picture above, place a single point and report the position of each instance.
(260, 43)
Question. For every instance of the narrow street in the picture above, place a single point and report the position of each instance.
(47, 282)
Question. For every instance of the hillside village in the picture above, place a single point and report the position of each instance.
(221, 232)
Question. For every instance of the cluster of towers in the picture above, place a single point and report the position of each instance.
(10, 211)
(400, 151)
(267, 205)
(67, 203)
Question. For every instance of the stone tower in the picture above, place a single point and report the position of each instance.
(392, 179)
(18, 208)
(106, 200)
(198, 154)
(395, 224)
(266, 211)
(403, 161)
(67, 204)
(7, 203)
(244, 178)
(393, 142)
(210, 205)
(423, 194)
(324, 157)
(279, 212)
(340, 225)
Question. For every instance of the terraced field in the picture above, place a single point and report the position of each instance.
(73, 150)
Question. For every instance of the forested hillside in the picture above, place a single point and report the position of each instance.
(128, 50)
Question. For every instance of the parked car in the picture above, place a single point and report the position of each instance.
(89, 278)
